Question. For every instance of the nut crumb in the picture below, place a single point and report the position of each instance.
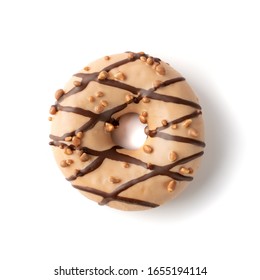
(91, 99)
(50, 119)
(104, 103)
(143, 58)
(164, 122)
(69, 161)
(144, 114)
(160, 70)
(126, 165)
(99, 94)
(147, 149)
(68, 151)
(109, 127)
(84, 157)
(87, 68)
(129, 97)
(77, 83)
(107, 57)
(174, 126)
(173, 156)
(68, 138)
(187, 123)
(171, 186)
(193, 132)
(146, 99)
(79, 134)
(185, 170)
(59, 93)
(99, 108)
(120, 76)
(63, 163)
(142, 119)
(114, 180)
(76, 141)
(102, 75)
(150, 61)
(130, 55)
(53, 110)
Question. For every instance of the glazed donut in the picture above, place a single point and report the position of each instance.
(88, 110)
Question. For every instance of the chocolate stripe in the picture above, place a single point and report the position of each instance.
(76, 110)
(176, 138)
(170, 82)
(118, 198)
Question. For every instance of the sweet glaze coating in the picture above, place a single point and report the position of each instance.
(87, 111)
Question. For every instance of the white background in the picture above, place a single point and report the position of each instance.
(46, 223)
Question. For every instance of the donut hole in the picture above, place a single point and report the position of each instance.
(130, 132)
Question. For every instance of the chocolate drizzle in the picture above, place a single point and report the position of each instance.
(113, 153)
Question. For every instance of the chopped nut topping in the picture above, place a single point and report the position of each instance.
(99, 108)
(79, 134)
(149, 165)
(143, 58)
(160, 70)
(164, 122)
(130, 55)
(173, 156)
(91, 99)
(126, 165)
(63, 163)
(69, 161)
(174, 126)
(141, 53)
(155, 65)
(187, 123)
(171, 186)
(59, 93)
(193, 132)
(156, 83)
(61, 146)
(120, 76)
(109, 127)
(107, 57)
(76, 141)
(147, 149)
(146, 99)
(87, 68)
(114, 180)
(129, 97)
(102, 75)
(68, 138)
(104, 103)
(79, 152)
(185, 170)
(68, 151)
(77, 83)
(150, 61)
(50, 119)
(84, 157)
(99, 94)
(142, 119)
(144, 114)
(53, 110)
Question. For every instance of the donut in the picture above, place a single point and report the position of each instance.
(88, 110)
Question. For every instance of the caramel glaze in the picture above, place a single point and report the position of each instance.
(113, 153)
